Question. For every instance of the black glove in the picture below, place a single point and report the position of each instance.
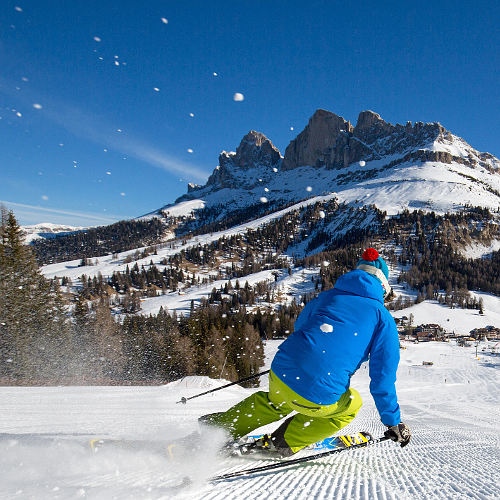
(400, 433)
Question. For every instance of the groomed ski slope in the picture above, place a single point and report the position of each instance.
(452, 408)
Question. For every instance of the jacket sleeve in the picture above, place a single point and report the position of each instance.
(384, 360)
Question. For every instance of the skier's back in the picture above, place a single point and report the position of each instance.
(311, 371)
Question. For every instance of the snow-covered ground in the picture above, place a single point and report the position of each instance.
(452, 408)
(460, 321)
(181, 303)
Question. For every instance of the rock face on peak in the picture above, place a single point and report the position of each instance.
(314, 145)
(255, 150)
(371, 126)
(330, 141)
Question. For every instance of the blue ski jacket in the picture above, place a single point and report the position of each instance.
(334, 334)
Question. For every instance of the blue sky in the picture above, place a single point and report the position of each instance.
(102, 144)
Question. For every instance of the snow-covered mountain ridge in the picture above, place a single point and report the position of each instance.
(48, 230)
(419, 166)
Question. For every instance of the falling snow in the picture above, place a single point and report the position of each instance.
(362, 163)
(238, 97)
(326, 328)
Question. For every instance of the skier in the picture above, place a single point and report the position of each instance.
(311, 371)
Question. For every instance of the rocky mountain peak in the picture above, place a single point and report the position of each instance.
(254, 149)
(331, 142)
(313, 145)
(371, 126)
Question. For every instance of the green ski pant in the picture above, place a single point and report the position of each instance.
(310, 424)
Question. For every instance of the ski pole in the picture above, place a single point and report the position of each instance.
(185, 400)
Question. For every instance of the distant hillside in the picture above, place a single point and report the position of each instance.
(98, 241)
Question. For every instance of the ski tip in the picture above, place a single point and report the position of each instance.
(95, 444)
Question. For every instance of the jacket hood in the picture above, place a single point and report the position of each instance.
(359, 282)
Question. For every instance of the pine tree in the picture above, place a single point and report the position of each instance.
(34, 325)
(481, 306)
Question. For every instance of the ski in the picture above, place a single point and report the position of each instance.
(172, 449)
(295, 461)
(249, 445)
